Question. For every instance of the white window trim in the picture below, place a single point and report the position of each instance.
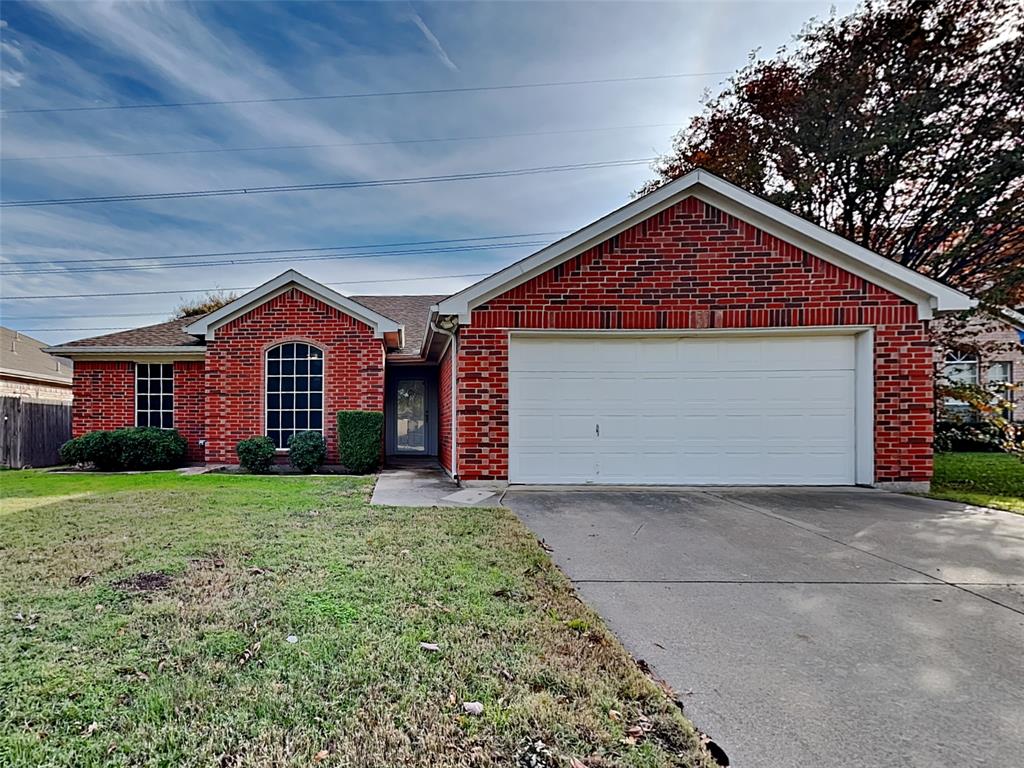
(161, 410)
(266, 392)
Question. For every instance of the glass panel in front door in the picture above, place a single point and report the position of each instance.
(411, 409)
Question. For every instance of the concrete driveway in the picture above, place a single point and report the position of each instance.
(836, 627)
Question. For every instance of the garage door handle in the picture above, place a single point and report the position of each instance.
(597, 430)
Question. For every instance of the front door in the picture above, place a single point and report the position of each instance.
(411, 428)
(411, 411)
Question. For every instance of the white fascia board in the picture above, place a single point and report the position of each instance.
(28, 376)
(928, 294)
(854, 258)
(582, 240)
(208, 325)
(122, 354)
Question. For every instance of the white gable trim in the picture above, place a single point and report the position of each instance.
(208, 325)
(929, 295)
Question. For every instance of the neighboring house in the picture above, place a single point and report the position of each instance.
(994, 356)
(29, 373)
(698, 335)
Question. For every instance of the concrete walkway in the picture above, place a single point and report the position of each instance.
(425, 485)
(831, 627)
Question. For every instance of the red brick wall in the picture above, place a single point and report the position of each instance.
(104, 396)
(693, 266)
(444, 409)
(189, 405)
(353, 368)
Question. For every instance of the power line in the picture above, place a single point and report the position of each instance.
(65, 317)
(365, 94)
(103, 328)
(244, 288)
(284, 147)
(288, 259)
(328, 185)
(219, 254)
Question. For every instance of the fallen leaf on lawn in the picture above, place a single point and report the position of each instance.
(544, 545)
(111, 748)
(451, 698)
(82, 578)
(256, 571)
(91, 728)
(320, 756)
(433, 647)
(19, 616)
(474, 708)
(614, 714)
(574, 763)
(249, 653)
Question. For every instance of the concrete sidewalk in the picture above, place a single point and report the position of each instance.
(425, 485)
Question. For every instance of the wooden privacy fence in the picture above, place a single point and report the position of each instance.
(31, 432)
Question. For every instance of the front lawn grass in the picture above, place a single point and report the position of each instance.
(232, 621)
(984, 479)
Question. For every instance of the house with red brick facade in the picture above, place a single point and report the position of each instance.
(697, 335)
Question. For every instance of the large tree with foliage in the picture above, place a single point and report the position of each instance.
(899, 127)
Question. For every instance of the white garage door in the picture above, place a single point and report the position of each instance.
(749, 410)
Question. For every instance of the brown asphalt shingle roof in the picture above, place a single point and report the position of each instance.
(411, 311)
(169, 334)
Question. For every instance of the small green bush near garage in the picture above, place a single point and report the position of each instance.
(307, 451)
(256, 454)
(131, 448)
(984, 479)
(360, 437)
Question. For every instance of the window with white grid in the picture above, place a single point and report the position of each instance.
(154, 395)
(295, 391)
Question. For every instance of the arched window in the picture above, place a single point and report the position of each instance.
(295, 391)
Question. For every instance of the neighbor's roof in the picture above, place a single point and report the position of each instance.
(411, 311)
(930, 295)
(23, 356)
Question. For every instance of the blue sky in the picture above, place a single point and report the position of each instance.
(94, 54)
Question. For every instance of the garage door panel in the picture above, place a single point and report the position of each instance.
(757, 410)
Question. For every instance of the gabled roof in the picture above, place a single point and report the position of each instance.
(930, 295)
(208, 324)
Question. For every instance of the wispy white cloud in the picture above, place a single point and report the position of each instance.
(442, 54)
(179, 52)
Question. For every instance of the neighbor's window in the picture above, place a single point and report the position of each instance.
(295, 391)
(1000, 374)
(961, 368)
(154, 395)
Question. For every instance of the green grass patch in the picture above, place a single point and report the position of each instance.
(146, 620)
(984, 479)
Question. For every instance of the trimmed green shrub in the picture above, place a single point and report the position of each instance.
(101, 449)
(360, 437)
(150, 448)
(256, 454)
(73, 452)
(307, 451)
(128, 448)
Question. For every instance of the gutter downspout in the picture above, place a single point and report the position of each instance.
(453, 335)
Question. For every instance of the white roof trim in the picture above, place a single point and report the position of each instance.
(929, 295)
(207, 326)
(75, 351)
